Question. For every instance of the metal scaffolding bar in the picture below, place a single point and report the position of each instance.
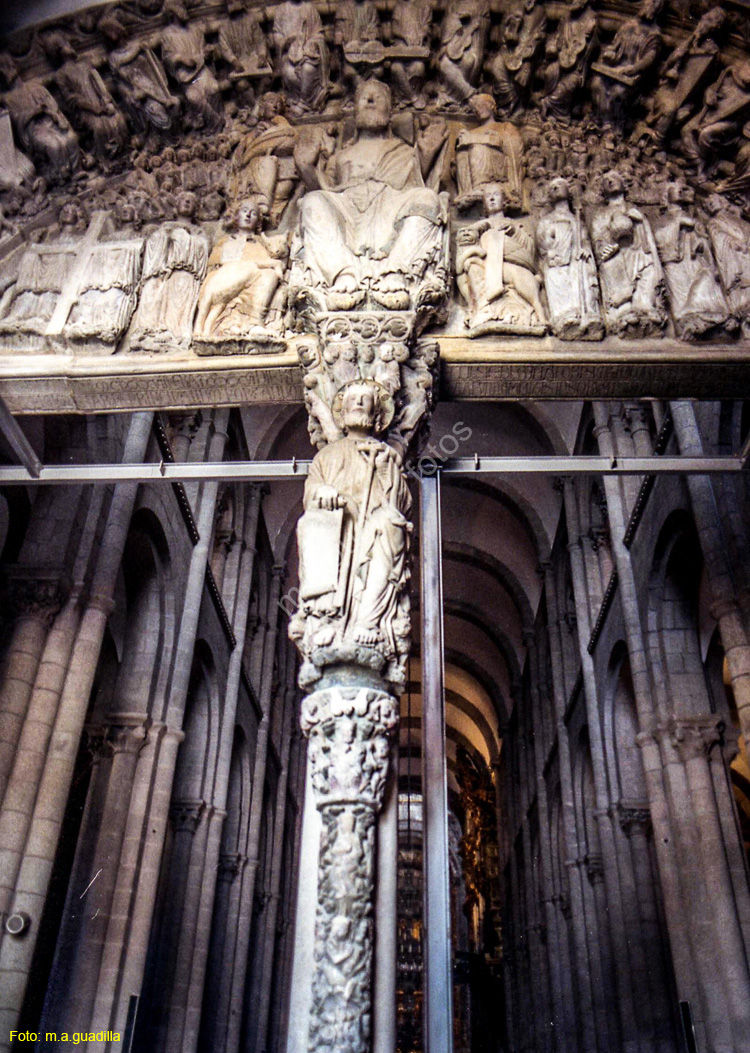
(268, 471)
(20, 445)
(437, 944)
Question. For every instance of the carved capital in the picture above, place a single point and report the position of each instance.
(35, 593)
(186, 815)
(127, 738)
(634, 818)
(97, 742)
(595, 869)
(349, 731)
(185, 425)
(692, 737)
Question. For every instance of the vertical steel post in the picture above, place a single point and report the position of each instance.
(437, 951)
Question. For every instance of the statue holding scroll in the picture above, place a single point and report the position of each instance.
(353, 541)
(496, 272)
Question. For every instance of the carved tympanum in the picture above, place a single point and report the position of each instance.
(377, 206)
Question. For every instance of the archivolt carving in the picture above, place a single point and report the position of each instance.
(449, 208)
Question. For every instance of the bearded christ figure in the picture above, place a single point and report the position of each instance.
(369, 223)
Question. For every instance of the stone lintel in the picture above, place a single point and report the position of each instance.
(470, 369)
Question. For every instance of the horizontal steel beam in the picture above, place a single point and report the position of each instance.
(268, 471)
(589, 465)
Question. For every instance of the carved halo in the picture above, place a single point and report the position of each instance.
(386, 405)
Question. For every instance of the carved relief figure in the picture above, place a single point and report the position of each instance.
(29, 301)
(496, 272)
(86, 98)
(369, 223)
(174, 264)
(243, 46)
(264, 161)
(630, 273)
(301, 55)
(38, 123)
(183, 52)
(410, 36)
(684, 74)
(568, 269)
(491, 153)
(463, 38)
(139, 78)
(512, 68)
(567, 58)
(15, 167)
(623, 66)
(726, 106)
(353, 542)
(106, 294)
(245, 271)
(730, 238)
(357, 35)
(695, 296)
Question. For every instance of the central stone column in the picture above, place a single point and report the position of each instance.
(370, 272)
(348, 729)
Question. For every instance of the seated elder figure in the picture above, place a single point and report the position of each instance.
(369, 223)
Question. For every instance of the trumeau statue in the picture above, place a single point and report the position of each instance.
(462, 44)
(301, 55)
(568, 268)
(730, 238)
(353, 541)
(685, 73)
(174, 264)
(139, 78)
(697, 303)
(496, 272)
(630, 273)
(490, 153)
(86, 98)
(40, 127)
(183, 52)
(567, 57)
(238, 303)
(513, 66)
(622, 66)
(370, 228)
